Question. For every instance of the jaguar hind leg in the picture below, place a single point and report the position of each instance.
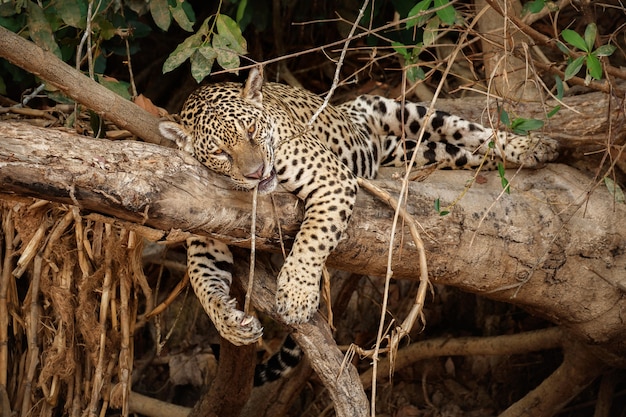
(209, 265)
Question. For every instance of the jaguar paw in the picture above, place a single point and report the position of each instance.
(239, 328)
(532, 151)
(296, 304)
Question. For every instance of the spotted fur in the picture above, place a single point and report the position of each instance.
(257, 135)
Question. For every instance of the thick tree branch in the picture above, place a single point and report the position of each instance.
(232, 385)
(580, 368)
(552, 246)
(45, 65)
(316, 339)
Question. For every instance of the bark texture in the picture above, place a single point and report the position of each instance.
(556, 245)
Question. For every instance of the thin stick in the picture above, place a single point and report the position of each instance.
(170, 298)
(412, 224)
(104, 311)
(280, 231)
(126, 319)
(255, 193)
(342, 57)
(8, 231)
(416, 310)
(32, 324)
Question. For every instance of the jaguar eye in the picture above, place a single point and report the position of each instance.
(251, 130)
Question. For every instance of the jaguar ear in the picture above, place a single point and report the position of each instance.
(252, 89)
(177, 134)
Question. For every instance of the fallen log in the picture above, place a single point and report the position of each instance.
(555, 245)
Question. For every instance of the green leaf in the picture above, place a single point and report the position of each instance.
(400, 48)
(430, 31)
(208, 52)
(522, 126)
(562, 47)
(96, 124)
(594, 66)
(180, 16)
(202, 62)
(504, 118)
(439, 210)
(182, 52)
(501, 170)
(160, 12)
(574, 39)
(573, 67)
(8, 9)
(40, 30)
(554, 111)
(534, 6)
(241, 9)
(503, 180)
(591, 31)
(228, 29)
(415, 73)
(447, 14)
(104, 27)
(558, 83)
(604, 50)
(559, 87)
(226, 58)
(419, 20)
(69, 11)
(615, 190)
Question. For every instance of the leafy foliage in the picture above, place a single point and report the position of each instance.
(430, 15)
(218, 38)
(591, 57)
(59, 26)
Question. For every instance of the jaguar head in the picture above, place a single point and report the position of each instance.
(225, 127)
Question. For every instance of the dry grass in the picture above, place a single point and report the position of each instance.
(72, 303)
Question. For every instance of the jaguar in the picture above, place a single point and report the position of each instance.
(263, 135)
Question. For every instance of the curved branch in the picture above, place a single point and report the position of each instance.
(580, 367)
(550, 338)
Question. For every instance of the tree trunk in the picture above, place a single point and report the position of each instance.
(555, 245)
(507, 74)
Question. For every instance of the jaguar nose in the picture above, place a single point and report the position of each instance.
(256, 174)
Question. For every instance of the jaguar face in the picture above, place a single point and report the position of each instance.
(229, 134)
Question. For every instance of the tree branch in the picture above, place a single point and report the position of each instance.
(316, 340)
(552, 246)
(45, 65)
(580, 367)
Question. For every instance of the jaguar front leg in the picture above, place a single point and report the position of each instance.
(209, 265)
(328, 189)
